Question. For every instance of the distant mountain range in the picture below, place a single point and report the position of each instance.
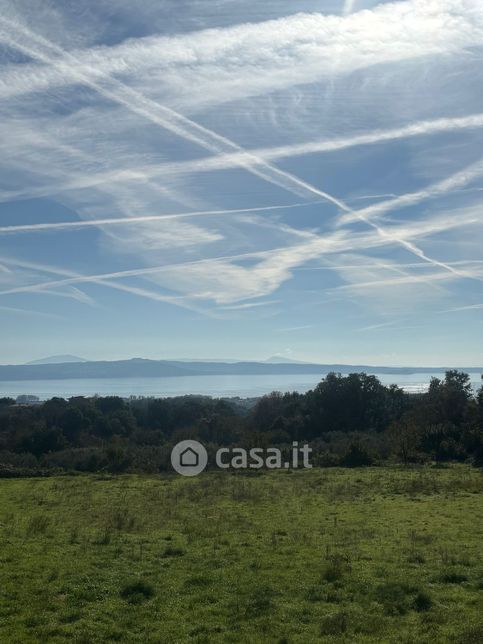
(283, 360)
(57, 360)
(141, 368)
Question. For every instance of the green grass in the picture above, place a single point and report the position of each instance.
(373, 555)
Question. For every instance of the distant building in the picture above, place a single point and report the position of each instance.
(27, 399)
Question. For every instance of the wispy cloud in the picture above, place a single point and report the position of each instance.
(41, 49)
(470, 307)
(394, 281)
(293, 329)
(449, 184)
(249, 305)
(168, 146)
(250, 59)
(417, 129)
(129, 221)
(69, 278)
(253, 157)
(108, 87)
(29, 313)
(224, 281)
(375, 327)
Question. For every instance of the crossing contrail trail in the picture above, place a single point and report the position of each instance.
(233, 160)
(126, 221)
(43, 50)
(69, 278)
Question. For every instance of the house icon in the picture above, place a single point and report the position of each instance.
(189, 458)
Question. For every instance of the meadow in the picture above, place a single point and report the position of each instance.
(338, 555)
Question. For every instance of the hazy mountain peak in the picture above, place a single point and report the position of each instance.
(57, 360)
(276, 359)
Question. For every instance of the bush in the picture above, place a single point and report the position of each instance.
(416, 558)
(453, 577)
(471, 635)
(422, 601)
(357, 456)
(314, 594)
(260, 601)
(395, 597)
(136, 592)
(335, 624)
(337, 567)
(173, 551)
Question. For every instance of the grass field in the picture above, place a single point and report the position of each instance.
(370, 555)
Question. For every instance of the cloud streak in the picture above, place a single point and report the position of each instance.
(110, 133)
(43, 50)
(115, 221)
(47, 52)
(449, 184)
(249, 59)
(234, 160)
(222, 280)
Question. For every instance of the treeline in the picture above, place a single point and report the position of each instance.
(349, 421)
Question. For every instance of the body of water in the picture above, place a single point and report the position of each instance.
(218, 386)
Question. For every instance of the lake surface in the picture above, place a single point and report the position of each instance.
(218, 386)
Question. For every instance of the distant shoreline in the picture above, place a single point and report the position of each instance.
(217, 386)
(140, 368)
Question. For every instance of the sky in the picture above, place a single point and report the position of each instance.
(233, 179)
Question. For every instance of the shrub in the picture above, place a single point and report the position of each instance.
(453, 577)
(336, 568)
(357, 456)
(103, 538)
(260, 601)
(136, 592)
(173, 551)
(416, 558)
(471, 635)
(422, 601)
(198, 582)
(314, 594)
(395, 597)
(336, 624)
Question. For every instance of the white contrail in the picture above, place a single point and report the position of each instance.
(113, 221)
(471, 307)
(456, 180)
(419, 128)
(349, 7)
(384, 265)
(234, 160)
(225, 64)
(453, 182)
(249, 305)
(29, 312)
(166, 117)
(373, 327)
(180, 125)
(407, 279)
(136, 272)
(308, 250)
(71, 278)
(155, 112)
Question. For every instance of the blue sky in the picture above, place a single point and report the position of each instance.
(232, 179)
